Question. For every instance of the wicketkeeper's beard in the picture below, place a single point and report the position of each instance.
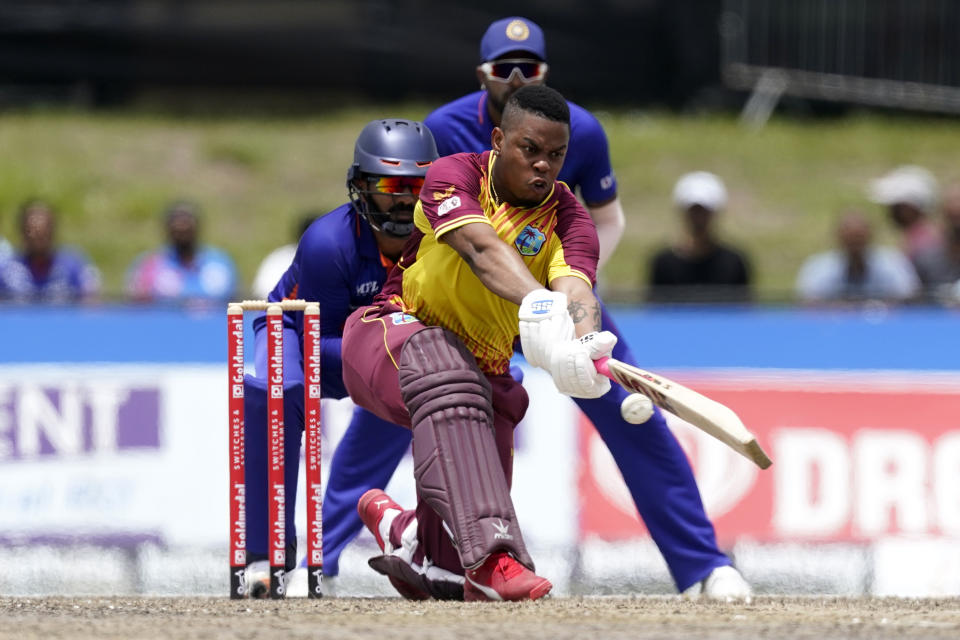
(402, 227)
(401, 207)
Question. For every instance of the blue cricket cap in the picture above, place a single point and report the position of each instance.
(512, 34)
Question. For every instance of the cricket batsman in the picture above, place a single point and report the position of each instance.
(655, 468)
(501, 249)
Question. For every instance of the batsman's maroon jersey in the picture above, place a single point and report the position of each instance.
(555, 238)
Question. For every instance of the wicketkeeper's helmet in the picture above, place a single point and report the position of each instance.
(387, 148)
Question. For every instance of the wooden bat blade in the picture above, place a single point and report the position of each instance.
(707, 415)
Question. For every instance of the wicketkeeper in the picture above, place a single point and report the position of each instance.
(341, 262)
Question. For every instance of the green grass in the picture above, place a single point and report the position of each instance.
(110, 175)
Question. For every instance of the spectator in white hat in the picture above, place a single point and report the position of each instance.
(910, 194)
(699, 268)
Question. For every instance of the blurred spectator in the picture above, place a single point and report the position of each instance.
(6, 251)
(939, 266)
(277, 261)
(858, 270)
(42, 271)
(184, 270)
(910, 194)
(700, 268)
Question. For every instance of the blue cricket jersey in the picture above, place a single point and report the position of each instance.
(339, 265)
(464, 125)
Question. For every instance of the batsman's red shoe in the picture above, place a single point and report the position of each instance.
(501, 577)
(372, 506)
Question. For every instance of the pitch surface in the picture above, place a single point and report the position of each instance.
(562, 618)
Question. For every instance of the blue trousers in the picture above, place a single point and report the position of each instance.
(653, 465)
(257, 455)
(366, 457)
(658, 475)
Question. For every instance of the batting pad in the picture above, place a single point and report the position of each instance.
(456, 463)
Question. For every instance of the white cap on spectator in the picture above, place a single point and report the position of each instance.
(908, 184)
(702, 188)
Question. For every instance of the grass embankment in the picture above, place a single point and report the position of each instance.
(111, 173)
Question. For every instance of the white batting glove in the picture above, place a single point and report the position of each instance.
(572, 368)
(599, 344)
(544, 323)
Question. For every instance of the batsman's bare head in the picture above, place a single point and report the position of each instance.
(531, 144)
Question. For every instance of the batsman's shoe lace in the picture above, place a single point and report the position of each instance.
(724, 584)
(501, 577)
(377, 511)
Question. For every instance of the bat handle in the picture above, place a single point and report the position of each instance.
(603, 367)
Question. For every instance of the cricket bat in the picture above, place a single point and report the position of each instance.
(707, 415)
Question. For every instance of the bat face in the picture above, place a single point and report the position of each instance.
(707, 415)
(651, 386)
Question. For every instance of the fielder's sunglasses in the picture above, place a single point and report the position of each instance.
(396, 185)
(503, 70)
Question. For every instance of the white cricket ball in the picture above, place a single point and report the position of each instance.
(636, 408)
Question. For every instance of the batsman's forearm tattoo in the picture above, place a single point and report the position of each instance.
(579, 311)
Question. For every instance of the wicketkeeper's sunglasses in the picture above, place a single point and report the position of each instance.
(503, 70)
(396, 184)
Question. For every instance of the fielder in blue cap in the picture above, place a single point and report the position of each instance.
(513, 35)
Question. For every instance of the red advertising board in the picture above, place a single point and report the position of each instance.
(855, 457)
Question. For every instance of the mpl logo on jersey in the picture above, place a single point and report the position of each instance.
(39, 420)
(854, 459)
(530, 241)
(368, 288)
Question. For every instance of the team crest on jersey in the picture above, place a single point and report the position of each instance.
(530, 241)
(443, 195)
(399, 317)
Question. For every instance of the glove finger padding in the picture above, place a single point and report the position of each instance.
(599, 344)
(572, 368)
(544, 322)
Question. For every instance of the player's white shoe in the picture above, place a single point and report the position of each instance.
(257, 577)
(724, 584)
(296, 583)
